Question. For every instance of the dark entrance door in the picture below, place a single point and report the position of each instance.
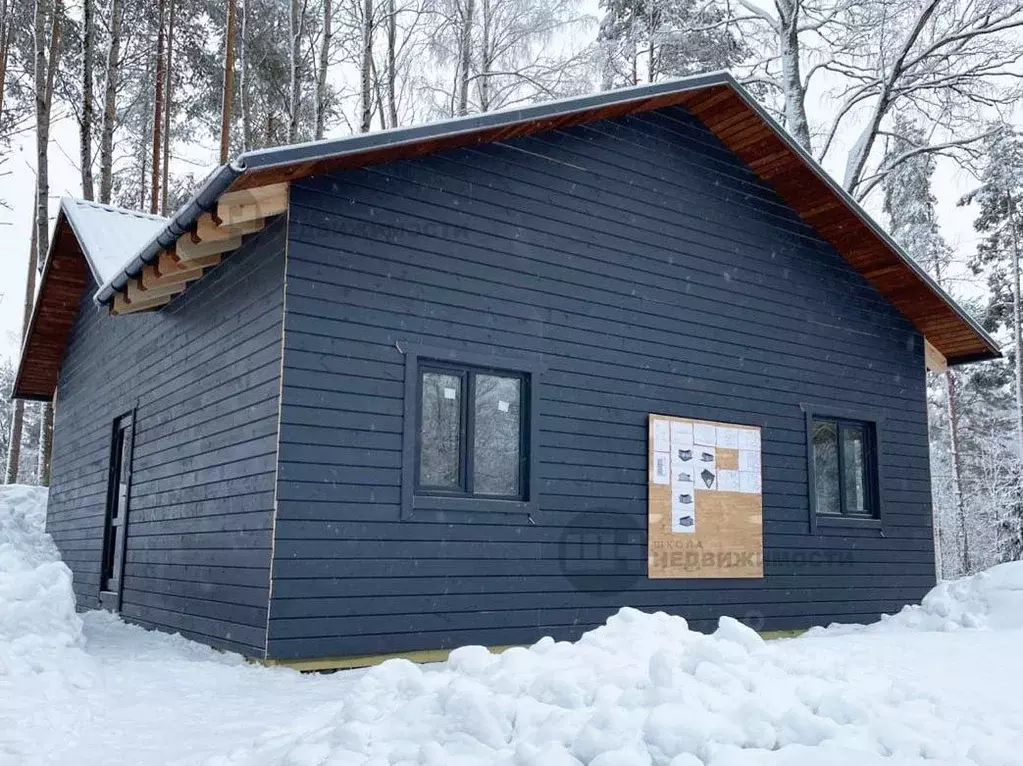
(111, 585)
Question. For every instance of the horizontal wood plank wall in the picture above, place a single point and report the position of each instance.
(204, 374)
(651, 272)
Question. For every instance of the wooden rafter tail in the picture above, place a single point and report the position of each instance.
(207, 228)
(138, 293)
(153, 277)
(122, 305)
(169, 264)
(260, 202)
(187, 249)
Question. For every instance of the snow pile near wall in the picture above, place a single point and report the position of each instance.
(988, 600)
(37, 604)
(642, 690)
(991, 599)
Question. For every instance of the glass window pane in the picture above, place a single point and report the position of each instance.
(495, 467)
(855, 464)
(825, 466)
(440, 431)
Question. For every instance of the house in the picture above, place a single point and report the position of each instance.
(402, 391)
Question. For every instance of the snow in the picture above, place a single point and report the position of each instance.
(37, 605)
(110, 236)
(990, 599)
(936, 684)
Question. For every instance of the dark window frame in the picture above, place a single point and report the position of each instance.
(872, 424)
(435, 504)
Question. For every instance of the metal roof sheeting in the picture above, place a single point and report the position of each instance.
(109, 236)
(119, 243)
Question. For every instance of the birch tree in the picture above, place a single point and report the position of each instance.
(366, 67)
(227, 93)
(111, 84)
(940, 61)
(494, 54)
(323, 65)
(296, 18)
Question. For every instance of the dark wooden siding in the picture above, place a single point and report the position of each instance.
(204, 375)
(651, 272)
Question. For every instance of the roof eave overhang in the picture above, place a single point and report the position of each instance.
(36, 376)
(265, 166)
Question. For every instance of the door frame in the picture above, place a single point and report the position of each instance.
(115, 525)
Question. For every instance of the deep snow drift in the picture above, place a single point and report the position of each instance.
(937, 683)
(37, 605)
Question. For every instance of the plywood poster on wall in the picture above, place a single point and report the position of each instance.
(705, 504)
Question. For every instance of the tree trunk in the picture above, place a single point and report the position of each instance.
(43, 106)
(85, 132)
(106, 149)
(168, 105)
(45, 443)
(465, 56)
(366, 91)
(952, 401)
(18, 419)
(45, 61)
(792, 82)
(243, 79)
(392, 62)
(1017, 319)
(14, 447)
(321, 74)
(295, 85)
(378, 91)
(5, 47)
(154, 196)
(228, 93)
(486, 58)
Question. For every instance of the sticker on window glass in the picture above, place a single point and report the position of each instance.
(450, 393)
(502, 406)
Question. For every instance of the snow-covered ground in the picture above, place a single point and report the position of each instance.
(938, 683)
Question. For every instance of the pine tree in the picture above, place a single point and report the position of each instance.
(998, 199)
(910, 206)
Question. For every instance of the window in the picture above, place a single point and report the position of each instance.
(472, 433)
(844, 465)
(118, 485)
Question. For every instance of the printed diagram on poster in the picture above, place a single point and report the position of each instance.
(662, 468)
(705, 504)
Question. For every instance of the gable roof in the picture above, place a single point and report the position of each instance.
(716, 99)
(107, 234)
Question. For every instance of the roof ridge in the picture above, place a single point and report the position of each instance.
(112, 208)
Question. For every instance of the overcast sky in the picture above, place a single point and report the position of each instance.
(16, 191)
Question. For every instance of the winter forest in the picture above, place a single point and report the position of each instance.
(882, 92)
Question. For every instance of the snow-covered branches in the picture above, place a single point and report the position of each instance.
(942, 62)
